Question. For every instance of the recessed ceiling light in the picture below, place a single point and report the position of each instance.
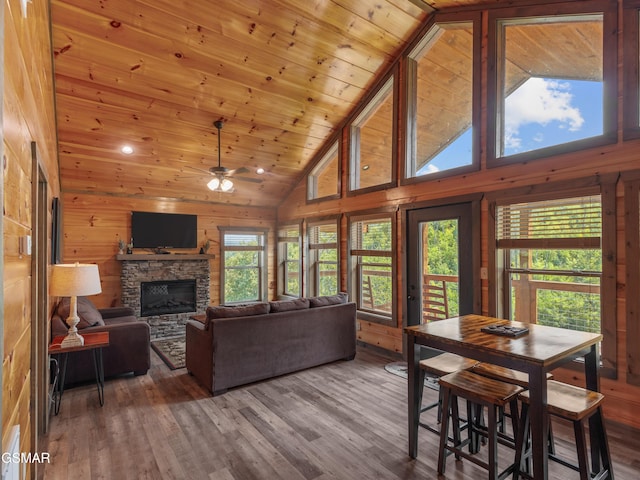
(365, 167)
(260, 171)
(127, 150)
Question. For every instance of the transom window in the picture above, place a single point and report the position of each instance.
(372, 136)
(371, 266)
(440, 100)
(290, 260)
(243, 265)
(324, 180)
(551, 82)
(323, 240)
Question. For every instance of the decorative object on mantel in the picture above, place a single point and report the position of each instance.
(205, 247)
(74, 280)
(171, 351)
(121, 246)
(130, 247)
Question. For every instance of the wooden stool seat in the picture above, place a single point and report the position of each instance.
(568, 401)
(446, 363)
(484, 392)
(504, 374)
(576, 405)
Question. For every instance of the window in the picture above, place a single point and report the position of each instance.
(243, 265)
(551, 82)
(632, 264)
(552, 268)
(372, 136)
(371, 266)
(324, 266)
(324, 180)
(290, 260)
(631, 61)
(440, 134)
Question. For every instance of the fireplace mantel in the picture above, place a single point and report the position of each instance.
(133, 257)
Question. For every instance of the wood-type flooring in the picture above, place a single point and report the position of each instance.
(345, 420)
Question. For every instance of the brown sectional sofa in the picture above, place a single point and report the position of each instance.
(236, 345)
(129, 340)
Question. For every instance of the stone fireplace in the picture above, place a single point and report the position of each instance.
(165, 290)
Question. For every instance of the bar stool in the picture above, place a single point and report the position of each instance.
(439, 366)
(485, 392)
(574, 404)
(511, 376)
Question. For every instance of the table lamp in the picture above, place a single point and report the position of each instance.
(73, 281)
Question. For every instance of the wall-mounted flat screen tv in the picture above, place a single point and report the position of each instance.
(164, 230)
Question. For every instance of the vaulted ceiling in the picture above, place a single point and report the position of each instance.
(156, 74)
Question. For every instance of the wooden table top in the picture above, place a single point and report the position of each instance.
(542, 345)
(91, 340)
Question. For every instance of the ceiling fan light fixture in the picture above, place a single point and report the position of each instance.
(214, 184)
(226, 185)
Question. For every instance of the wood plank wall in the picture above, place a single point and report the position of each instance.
(28, 116)
(92, 225)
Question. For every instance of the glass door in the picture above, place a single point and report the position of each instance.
(443, 246)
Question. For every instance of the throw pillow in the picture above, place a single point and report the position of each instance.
(324, 301)
(88, 313)
(237, 310)
(288, 305)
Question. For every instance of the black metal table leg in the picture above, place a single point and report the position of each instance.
(99, 369)
(59, 390)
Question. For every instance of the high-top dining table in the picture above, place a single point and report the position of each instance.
(536, 352)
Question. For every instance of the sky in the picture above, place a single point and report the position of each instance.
(540, 113)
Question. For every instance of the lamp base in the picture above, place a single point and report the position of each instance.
(72, 340)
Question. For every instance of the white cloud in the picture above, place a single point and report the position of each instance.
(540, 101)
(427, 169)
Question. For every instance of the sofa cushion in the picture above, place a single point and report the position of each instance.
(288, 305)
(88, 313)
(324, 301)
(237, 310)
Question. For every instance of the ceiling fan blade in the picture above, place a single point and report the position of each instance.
(237, 170)
(248, 179)
(199, 170)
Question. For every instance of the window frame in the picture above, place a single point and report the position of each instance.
(354, 287)
(283, 260)
(262, 260)
(325, 156)
(312, 274)
(377, 96)
(609, 74)
(408, 165)
(631, 63)
(605, 186)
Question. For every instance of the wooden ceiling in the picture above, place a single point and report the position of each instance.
(156, 74)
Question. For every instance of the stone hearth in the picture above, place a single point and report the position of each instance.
(137, 269)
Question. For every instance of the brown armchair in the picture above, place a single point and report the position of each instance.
(129, 340)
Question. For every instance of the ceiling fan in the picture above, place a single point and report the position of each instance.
(221, 181)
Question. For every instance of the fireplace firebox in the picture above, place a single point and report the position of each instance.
(167, 297)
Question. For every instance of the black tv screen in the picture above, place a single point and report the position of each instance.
(164, 230)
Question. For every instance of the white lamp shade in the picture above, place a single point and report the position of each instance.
(75, 280)
(213, 184)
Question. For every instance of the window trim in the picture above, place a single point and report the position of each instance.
(354, 294)
(609, 73)
(263, 261)
(605, 186)
(281, 280)
(631, 63)
(322, 159)
(407, 166)
(353, 130)
(312, 285)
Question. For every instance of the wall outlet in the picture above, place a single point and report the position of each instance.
(484, 273)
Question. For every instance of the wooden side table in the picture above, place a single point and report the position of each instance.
(92, 341)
